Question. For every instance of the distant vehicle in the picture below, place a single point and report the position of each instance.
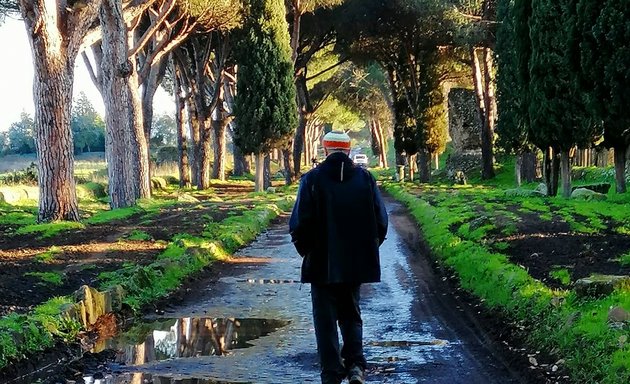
(360, 159)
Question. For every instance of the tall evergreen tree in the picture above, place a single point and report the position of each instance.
(512, 123)
(555, 107)
(610, 64)
(265, 106)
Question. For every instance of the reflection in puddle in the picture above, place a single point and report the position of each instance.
(180, 338)
(269, 281)
(187, 337)
(137, 378)
(407, 343)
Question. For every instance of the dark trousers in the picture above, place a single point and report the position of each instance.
(332, 304)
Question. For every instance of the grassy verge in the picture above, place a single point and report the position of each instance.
(576, 330)
(21, 335)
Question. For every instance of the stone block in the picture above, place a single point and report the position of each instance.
(599, 285)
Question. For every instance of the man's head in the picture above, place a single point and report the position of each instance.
(336, 141)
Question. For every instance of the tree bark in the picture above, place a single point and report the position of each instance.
(150, 86)
(55, 34)
(304, 113)
(287, 161)
(267, 172)
(528, 166)
(555, 172)
(565, 168)
(53, 91)
(205, 165)
(195, 140)
(220, 126)
(139, 150)
(490, 108)
(518, 167)
(424, 166)
(240, 162)
(259, 180)
(620, 167)
(547, 169)
(382, 143)
(182, 135)
(115, 88)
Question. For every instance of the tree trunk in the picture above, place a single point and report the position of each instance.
(115, 70)
(528, 166)
(555, 172)
(55, 34)
(304, 112)
(52, 91)
(478, 86)
(195, 140)
(518, 167)
(436, 161)
(383, 144)
(259, 180)
(239, 161)
(287, 160)
(547, 169)
(149, 87)
(220, 126)
(139, 150)
(410, 165)
(565, 168)
(424, 166)
(182, 135)
(267, 172)
(295, 32)
(490, 107)
(620, 168)
(205, 165)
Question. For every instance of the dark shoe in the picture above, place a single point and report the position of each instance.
(356, 375)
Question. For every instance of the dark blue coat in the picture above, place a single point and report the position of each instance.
(338, 223)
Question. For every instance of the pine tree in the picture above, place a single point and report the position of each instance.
(265, 106)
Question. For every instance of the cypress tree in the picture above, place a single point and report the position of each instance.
(513, 119)
(610, 65)
(431, 124)
(556, 109)
(265, 106)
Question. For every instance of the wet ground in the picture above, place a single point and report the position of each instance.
(254, 326)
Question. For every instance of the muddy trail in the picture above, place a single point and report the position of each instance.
(252, 324)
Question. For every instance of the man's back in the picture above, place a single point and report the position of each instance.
(340, 218)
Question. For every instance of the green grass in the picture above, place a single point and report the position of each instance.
(112, 215)
(137, 235)
(46, 230)
(562, 275)
(53, 278)
(624, 259)
(49, 255)
(16, 218)
(556, 321)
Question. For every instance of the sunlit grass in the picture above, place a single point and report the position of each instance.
(49, 255)
(46, 230)
(53, 278)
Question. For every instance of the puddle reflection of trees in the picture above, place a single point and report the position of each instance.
(187, 337)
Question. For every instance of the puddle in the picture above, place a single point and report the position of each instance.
(269, 281)
(187, 337)
(407, 343)
(148, 378)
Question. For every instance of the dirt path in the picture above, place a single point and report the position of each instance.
(253, 325)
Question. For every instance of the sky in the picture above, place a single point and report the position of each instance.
(16, 78)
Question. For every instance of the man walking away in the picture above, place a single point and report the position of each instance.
(337, 225)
